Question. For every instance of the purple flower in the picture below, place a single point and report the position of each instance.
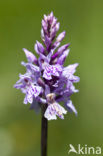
(50, 70)
(30, 57)
(47, 81)
(29, 87)
(54, 110)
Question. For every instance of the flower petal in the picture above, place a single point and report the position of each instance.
(60, 51)
(50, 70)
(49, 115)
(47, 90)
(63, 57)
(71, 107)
(53, 110)
(47, 74)
(71, 69)
(47, 41)
(35, 90)
(60, 36)
(30, 56)
(40, 47)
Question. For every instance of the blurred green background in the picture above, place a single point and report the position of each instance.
(20, 24)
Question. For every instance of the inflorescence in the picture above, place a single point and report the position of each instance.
(47, 81)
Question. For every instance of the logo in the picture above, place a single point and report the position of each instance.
(84, 149)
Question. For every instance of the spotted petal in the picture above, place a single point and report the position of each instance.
(54, 110)
(50, 70)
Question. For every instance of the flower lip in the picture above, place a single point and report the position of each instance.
(54, 110)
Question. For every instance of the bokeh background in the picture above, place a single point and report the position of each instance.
(20, 24)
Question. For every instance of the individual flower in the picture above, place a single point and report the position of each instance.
(28, 87)
(46, 81)
(54, 109)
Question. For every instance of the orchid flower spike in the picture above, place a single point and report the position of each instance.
(47, 81)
